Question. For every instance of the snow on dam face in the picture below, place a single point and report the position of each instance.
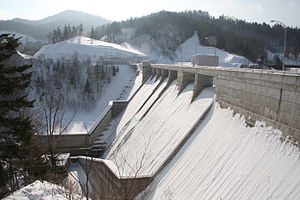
(224, 159)
(148, 136)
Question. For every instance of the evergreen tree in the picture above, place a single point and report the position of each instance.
(80, 29)
(16, 129)
(92, 35)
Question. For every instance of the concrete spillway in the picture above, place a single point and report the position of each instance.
(227, 160)
(175, 137)
(151, 134)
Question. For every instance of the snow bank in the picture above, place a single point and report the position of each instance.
(227, 160)
(148, 140)
(42, 190)
(86, 47)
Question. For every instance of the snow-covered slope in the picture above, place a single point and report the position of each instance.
(155, 130)
(86, 47)
(119, 88)
(192, 46)
(227, 160)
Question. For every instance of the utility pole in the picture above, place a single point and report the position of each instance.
(284, 43)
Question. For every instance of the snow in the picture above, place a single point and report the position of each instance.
(150, 139)
(23, 55)
(42, 191)
(192, 46)
(225, 159)
(86, 47)
(119, 88)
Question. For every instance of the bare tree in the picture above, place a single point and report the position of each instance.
(55, 122)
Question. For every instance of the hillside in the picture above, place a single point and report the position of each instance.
(169, 29)
(40, 28)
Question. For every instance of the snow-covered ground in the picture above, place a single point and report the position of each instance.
(224, 159)
(43, 191)
(192, 46)
(150, 139)
(119, 88)
(84, 47)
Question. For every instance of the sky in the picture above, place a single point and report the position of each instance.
(286, 11)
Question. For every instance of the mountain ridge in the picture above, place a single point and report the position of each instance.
(47, 24)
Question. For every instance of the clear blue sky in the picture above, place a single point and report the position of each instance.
(287, 11)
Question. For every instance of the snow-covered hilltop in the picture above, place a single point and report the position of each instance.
(87, 47)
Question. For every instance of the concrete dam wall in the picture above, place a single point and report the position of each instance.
(259, 95)
(174, 140)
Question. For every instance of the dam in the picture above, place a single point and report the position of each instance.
(182, 137)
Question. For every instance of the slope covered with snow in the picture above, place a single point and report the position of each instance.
(119, 88)
(154, 131)
(224, 159)
(84, 47)
(192, 46)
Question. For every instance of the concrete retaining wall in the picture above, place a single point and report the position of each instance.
(77, 144)
(108, 181)
(273, 98)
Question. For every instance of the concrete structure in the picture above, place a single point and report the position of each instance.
(205, 60)
(259, 95)
(79, 144)
(107, 179)
(269, 96)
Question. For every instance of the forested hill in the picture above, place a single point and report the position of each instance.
(236, 36)
(41, 28)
